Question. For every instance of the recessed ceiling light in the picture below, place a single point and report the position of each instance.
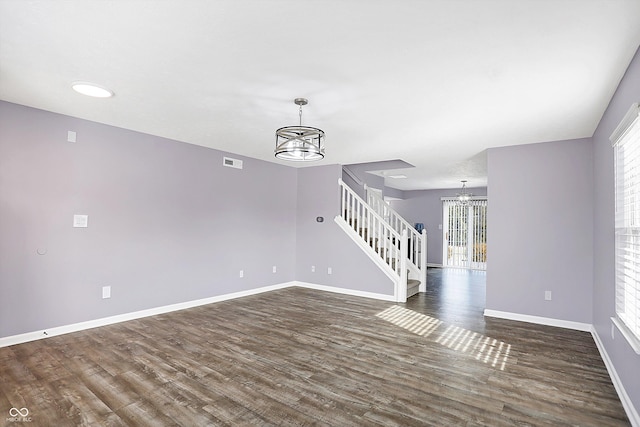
(92, 89)
(397, 176)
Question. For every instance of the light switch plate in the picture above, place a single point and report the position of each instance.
(106, 292)
(81, 221)
(71, 136)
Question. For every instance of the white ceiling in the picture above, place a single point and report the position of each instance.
(433, 82)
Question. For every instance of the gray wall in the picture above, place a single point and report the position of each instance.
(324, 244)
(167, 222)
(425, 206)
(355, 186)
(360, 171)
(626, 362)
(540, 229)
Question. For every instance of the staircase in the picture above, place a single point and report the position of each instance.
(389, 240)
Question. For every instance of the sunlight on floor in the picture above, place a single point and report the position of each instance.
(417, 323)
(485, 349)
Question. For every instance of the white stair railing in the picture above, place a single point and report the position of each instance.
(377, 235)
(417, 248)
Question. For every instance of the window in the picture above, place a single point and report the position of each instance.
(465, 233)
(626, 143)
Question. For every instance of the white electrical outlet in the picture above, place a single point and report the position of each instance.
(329, 270)
(313, 268)
(547, 295)
(241, 273)
(106, 292)
(274, 269)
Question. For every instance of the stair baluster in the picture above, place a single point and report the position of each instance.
(376, 234)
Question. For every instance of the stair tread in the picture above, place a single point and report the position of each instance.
(373, 242)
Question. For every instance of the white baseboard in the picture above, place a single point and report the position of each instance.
(346, 291)
(567, 324)
(631, 411)
(59, 330)
(65, 329)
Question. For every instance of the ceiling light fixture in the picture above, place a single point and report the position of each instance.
(464, 196)
(92, 89)
(300, 143)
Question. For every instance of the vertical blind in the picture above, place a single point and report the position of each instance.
(465, 233)
(626, 143)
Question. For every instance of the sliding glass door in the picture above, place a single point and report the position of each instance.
(464, 234)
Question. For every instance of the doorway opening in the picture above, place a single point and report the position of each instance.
(464, 234)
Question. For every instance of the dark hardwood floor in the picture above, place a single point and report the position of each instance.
(305, 357)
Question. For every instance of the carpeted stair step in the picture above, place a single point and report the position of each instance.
(413, 287)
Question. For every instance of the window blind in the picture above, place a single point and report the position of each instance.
(465, 233)
(626, 143)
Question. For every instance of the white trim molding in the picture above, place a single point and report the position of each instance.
(345, 291)
(632, 340)
(567, 324)
(631, 411)
(81, 326)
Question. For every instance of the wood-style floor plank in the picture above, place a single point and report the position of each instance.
(301, 357)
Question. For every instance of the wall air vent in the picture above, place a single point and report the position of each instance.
(232, 163)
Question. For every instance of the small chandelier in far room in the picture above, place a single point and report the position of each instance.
(463, 195)
(300, 143)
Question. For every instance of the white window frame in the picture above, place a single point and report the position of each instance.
(626, 144)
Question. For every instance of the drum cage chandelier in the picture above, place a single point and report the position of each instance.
(299, 143)
(464, 196)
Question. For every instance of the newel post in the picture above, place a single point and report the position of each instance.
(423, 262)
(404, 253)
